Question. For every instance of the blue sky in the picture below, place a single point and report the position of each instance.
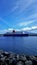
(18, 14)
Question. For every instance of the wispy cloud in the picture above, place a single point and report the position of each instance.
(14, 8)
(26, 23)
(33, 16)
(23, 5)
(27, 7)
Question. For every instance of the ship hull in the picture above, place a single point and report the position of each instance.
(15, 34)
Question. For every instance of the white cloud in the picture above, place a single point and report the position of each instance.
(8, 30)
(26, 29)
(29, 28)
(34, 27)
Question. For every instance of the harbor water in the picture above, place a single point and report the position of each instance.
(19, 45)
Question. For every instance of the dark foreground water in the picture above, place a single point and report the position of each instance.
(21, 45)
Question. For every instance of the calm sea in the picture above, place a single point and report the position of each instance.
(21, 45)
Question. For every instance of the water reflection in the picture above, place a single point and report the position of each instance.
(21, 45)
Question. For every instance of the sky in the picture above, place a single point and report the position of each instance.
(18, 15)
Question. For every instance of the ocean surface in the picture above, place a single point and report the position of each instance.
(19, 45)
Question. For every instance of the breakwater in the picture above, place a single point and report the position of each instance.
(10, 58)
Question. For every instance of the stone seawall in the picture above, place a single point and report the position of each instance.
(11, 58)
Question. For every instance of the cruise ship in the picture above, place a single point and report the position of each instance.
(16, 33)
